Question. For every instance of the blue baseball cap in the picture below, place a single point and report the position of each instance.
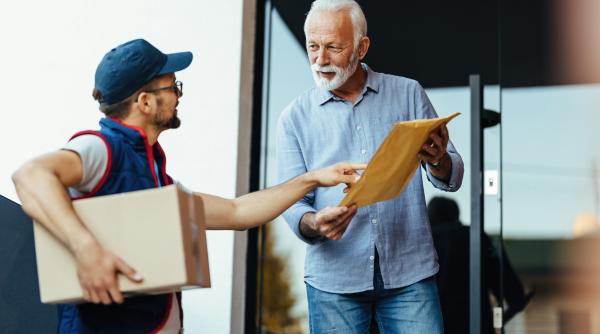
(131, 65)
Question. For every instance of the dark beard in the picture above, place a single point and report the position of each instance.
(173, 123)
(165, 124)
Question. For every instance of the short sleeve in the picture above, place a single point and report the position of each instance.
(94, 155)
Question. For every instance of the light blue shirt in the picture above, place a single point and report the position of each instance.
(319, 129)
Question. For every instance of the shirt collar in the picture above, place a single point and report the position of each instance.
(373, 79)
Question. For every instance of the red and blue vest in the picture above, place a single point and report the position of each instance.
(130, 167)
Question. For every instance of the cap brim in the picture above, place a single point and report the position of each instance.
(176, 62)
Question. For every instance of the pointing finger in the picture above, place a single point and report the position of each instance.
(357, 166)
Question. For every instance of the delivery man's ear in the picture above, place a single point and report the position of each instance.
(145, 102)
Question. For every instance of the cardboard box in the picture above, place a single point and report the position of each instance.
(159, 232)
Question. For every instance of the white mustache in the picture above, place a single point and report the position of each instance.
(326, 69)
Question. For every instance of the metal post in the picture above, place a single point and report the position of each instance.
(475, 263)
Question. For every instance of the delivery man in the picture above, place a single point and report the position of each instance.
(137, 90)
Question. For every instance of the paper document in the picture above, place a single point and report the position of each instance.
(394, 163)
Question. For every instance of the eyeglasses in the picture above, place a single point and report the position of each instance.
(177, 88)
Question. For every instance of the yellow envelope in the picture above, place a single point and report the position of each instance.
(394, 163)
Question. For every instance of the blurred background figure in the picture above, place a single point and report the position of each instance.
(451, 239)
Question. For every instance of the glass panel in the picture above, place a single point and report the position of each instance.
(550, 96)
(452, 241)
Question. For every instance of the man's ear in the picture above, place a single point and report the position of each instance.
(363, 47)
(144, 102)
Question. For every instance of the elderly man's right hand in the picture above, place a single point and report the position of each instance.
(329, 222)
(97, 269)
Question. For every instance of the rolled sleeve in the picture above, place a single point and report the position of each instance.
(456, 175)
(293, 216)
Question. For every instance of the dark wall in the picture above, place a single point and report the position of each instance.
(441, 42)
(20, 308)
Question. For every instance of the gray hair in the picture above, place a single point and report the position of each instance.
(359, 22)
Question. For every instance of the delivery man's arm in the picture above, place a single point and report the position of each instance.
(263, 206)
(41, 185)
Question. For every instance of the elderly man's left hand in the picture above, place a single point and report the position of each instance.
(435, 155)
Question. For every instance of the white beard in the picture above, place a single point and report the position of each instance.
(341, 74)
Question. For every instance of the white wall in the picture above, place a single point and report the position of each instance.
(50, 50)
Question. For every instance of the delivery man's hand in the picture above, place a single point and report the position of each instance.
(97, 269)
(330, 222)
(343, 172)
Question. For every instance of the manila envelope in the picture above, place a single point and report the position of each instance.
(394, 163)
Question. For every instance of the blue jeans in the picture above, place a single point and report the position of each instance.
(414, 309)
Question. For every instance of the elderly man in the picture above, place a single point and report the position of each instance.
(380, 266)
(137, 90)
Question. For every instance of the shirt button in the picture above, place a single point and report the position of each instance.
(374, 221)
(358, 127)
(371, 258)
(363, 151)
